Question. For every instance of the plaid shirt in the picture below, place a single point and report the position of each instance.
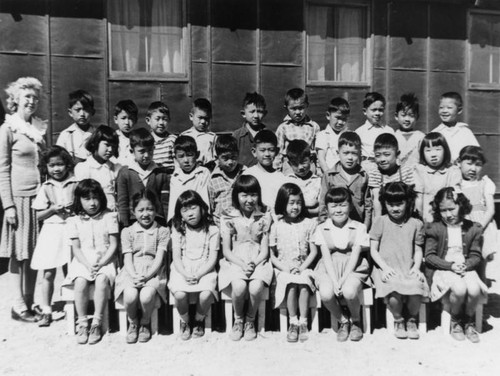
(288, 131)
(163, 154)
(219, 191)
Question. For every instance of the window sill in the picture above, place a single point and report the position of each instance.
(338, 84)
(141, 76)
(485, 87)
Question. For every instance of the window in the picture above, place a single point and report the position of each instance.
(484, 50)
(337, 44)
(147, 38)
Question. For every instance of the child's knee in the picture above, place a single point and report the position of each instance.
(130, 296)
(80, 285)
(459, 289)
(255, 287)
(206, 296)
(239, 287)
(326, 292)
(147, 295)
(49, 275)
(351, 290)
(101, 282)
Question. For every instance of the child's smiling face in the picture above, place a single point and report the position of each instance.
(264, 152)
(253, 115)
(158, 122)
(406, 119)
(386, 158)
(338, 212)
(145, 213)
(449, 110)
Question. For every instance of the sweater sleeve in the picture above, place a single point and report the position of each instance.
(165, 195)
(122, 193)
(432, 257)
(473, 257)
(6, 140)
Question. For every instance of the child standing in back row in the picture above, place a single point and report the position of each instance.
(125, 118)
(373, 109)
(457, 134)
(200, 116)
(253, 112)
(328, 139)
(408, 138)
(158, 117)
(75, 137)
(297, 125)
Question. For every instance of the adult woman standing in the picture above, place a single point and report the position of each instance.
(21, 141)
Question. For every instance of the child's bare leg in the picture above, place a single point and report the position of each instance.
(291, 301)
(182, 303)
(395, 305)
(239, 289)
(330, 301)
(457, 297)
(47, 289)
(255, 289)
(81, 291)
(350, 290)
(413, 304)
(473, 296)
(205, 300)
(100, 298)
(147, 298)
(304, 295)
(131, 301)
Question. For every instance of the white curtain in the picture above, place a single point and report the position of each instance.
(336, 44)
(146, 36)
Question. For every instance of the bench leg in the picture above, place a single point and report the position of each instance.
(314, 320)
(105, 318)
(334, 323)
(228, 311)
(367, 319)
(445, 320)
(389, 320)
(176, 319)
(154, 322)
(283, 320)
(69, 308)
(122, 318)
(422, 318)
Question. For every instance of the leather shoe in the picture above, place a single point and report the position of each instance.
(24, 316)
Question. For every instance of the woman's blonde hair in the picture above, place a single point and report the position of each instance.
(15, 87)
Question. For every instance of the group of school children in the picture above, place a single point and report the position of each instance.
(298, 210)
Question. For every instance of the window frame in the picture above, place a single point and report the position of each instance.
(479, 86)
(155, 76)
(369, 43)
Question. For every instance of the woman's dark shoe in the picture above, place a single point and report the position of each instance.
(24, 316)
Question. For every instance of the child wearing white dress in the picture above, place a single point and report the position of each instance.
(142, 278)
(245, 245)
(103, 145)
(452, 256)
(396, 248)
(479, 190)
(292, 253)
(342, 270)
(53, 206)
(195, 245)
(94, 235)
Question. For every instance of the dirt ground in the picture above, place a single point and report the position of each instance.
(26, 349)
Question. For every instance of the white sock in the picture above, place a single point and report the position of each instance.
(47, 309)
(294, 320)
(303, 320)
(199, 317)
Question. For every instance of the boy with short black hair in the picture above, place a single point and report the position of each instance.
(200, 116)
(126, 113)
(187, 173)
(158, 117)
(457, 134)
(348, 173)
(298, 154)
(73, 139)
(386, 151)
(409, 139)
(253, 112)
(327, 140)
(296, 125)
(269, 178)
(142, 173)
(223, 175)
(373, 109)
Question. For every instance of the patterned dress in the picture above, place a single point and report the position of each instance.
(246, 235)
(143, 244)
(292, 243)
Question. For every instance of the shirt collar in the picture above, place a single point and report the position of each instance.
(70, 179)
(432, 171)
(218, 172)
(337, 169)
(158, 138)
(137, 168)
(138, 228)
(75, 128)
(350, 224)
(94, 164)
(306, 121)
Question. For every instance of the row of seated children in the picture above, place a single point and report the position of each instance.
(264, 151)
